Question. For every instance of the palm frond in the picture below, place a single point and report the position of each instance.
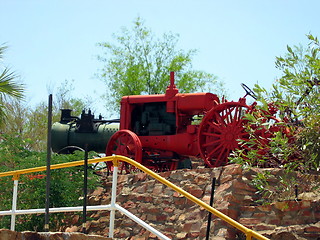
(8, 87)
(2, 49)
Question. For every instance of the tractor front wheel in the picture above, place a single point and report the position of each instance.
(125, 143)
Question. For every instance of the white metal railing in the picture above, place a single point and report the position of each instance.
(112, 207)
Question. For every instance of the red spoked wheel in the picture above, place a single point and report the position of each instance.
(220, 130)
(125, 143)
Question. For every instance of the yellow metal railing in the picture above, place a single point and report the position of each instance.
(248, 232)
(17, 173)
(116, 158)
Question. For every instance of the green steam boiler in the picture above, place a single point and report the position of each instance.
(74, 133)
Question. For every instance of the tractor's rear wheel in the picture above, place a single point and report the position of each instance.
(125, 143)
(220, 130)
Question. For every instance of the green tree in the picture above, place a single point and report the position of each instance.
(139, 63)
(296, 92)
(30, 122)
(64, 99)
(8, 86)
(297, 96)
(65, 188)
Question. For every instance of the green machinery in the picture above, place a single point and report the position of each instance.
(72, 133)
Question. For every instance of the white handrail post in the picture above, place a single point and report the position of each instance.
(113, 200)
(14, 204)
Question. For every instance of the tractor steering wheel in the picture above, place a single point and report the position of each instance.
(248, 91)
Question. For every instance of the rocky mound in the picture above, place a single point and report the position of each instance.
(279, 206)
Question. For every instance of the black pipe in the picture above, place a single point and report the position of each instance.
(85, 190)
(211, 203)
(46, 224)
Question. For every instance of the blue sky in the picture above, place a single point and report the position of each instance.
(51, 41)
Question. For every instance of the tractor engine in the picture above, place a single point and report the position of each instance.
(158, 130)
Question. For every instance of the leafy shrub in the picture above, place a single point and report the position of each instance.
(296, 97)
(65, 188)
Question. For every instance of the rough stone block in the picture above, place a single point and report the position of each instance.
(196, 192)
(7, 234)
(264, 227)
(194, 235)
(313, 229)
(32, 236)
(140, 177)
(249, 221)
(182, 235)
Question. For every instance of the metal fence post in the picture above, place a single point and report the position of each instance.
(48, 168)
(85, 190)
(211, 204)
(113, 201)
(14, 202)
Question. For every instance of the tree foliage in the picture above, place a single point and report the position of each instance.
(296, 95)
(297, 91)
(139, 63)
(30, 123)
(66, 184)
(22, 145)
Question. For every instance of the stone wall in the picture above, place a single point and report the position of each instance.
(11, 235)
(179, 218)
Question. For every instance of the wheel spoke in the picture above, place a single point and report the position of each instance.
(126, 143)
(117, 143)
(238, 123)
(213, 151)
(233, 116)
(215, 126)
(124, 139)
(220, 158)
(219, 132)
(229, 112)
(211, 143)
(209, 134)
(220, 120)
(237, 114)
(241, 134)
(223, 118)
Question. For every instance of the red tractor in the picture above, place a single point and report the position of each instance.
(161, 130)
